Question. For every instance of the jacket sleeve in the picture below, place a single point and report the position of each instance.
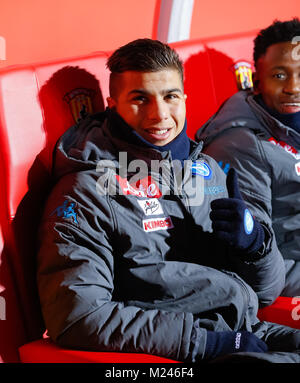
(239, 148)
(76, 282)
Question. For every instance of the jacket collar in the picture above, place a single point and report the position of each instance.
(275, 127)
(136, 147)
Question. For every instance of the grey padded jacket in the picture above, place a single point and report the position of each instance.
(265, 153)
(118, 269)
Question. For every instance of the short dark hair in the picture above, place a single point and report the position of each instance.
(143, 55)
(278, 32)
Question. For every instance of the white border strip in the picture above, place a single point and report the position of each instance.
(180, 20)
(2, 48)
(175, 20)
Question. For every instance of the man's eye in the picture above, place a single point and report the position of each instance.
(139, 99)
(280, 76)
(171, 96)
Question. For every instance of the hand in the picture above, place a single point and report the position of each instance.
(232, 221)
(228, 342)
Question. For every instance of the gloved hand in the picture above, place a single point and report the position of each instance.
(233, 223)
(228, 342)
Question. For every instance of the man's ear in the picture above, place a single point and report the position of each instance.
(111, 103)
(255, 83)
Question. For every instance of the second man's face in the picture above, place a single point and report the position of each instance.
(278, 78)
(152, 103)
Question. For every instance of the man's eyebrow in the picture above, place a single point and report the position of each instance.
(278, 67)
(140, 91)
(165, 91)
(282, 67)
(174, 90)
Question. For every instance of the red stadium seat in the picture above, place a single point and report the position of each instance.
(37, 104)
(224, 53)
(201, 100)
(45, 351)
(210, 73)
(284, 310)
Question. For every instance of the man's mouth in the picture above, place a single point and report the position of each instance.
(158, 131)
(158, 135)
(290, 107)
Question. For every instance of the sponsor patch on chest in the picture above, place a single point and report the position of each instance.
(145, 187)
(151, 206)
(154, 224)
(288, 148)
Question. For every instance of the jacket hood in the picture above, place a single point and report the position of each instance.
(241, 110)
(77, 148)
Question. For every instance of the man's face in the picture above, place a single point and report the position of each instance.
(152, 103)
(278, 78)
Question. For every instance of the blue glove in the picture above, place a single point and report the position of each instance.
(228, 342)
(233, 223)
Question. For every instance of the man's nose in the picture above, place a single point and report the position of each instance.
(292, 85)
(158, 110)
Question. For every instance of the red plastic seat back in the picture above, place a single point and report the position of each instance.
(37, 104)
(201, 101)
(224, 53)
(210, 76)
